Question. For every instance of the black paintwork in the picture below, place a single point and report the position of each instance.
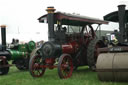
(3, 38)
(51, 35)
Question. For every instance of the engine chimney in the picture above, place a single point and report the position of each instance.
(122, 21)
(3, 37)
(50, 18)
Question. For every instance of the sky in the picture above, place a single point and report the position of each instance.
(21, 16)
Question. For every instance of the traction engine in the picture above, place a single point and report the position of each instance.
(19, 54)
(72, 43)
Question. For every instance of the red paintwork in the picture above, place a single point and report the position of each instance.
(47, 66)
(3, 58)
(49, 60)
(71, 17)
(49, 63)
(70, 48)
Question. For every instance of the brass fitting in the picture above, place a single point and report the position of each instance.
(50, 9)
(3, 26)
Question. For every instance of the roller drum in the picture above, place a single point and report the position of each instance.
(112, 66)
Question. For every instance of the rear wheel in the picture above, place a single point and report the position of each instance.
(34, 65)
(65, 66)
(91, 51)
(4, 70)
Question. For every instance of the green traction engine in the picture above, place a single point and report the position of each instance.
(19, 54)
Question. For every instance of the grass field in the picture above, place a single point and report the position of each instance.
(80, 77)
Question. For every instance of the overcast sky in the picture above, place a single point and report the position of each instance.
(21, 16)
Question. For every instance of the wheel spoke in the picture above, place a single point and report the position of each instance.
(35, 62)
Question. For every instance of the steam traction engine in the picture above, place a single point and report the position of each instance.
(19, 54)
(72, 43)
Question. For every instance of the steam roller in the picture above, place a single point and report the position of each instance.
(112, 62)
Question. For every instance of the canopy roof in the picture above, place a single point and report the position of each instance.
(113, 16)
(71, 19)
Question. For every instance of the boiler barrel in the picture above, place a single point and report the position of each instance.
(112, 66)
(17, 54)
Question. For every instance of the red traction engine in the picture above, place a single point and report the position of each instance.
(68, 47)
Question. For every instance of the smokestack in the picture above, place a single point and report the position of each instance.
(121, 17)
(3, 37)
(50, 18)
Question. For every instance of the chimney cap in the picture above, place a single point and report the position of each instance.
(122, 5)
(50, 9)
(3, 26)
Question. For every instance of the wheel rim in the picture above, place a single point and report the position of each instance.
(91, 54)
(36, 70)
(96, 52)
(65, 66)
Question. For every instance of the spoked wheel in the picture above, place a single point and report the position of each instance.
(4, 70)
(65, 66)
(34, 65)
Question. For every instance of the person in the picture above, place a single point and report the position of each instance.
(13, 41)
(64, 29)
(114, 40)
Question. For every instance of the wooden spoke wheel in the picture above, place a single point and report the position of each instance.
(4, 70)
(65, 66)
(34, 65)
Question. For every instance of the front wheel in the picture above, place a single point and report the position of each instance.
(34, 65)
(3, 70)
(65, 66)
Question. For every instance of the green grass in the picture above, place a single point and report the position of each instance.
(80, 77)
